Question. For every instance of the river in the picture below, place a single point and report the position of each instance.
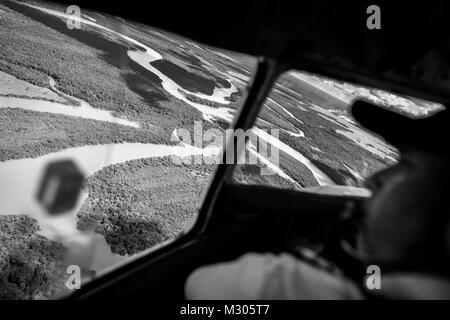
(20, 177)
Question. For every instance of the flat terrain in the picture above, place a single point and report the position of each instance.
(137, 204)
(90, 66)
(87, 66)
(21, 136)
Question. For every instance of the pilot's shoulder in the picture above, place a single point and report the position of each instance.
(267, 276)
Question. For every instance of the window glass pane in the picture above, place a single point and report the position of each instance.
(93, 101)
(306, 137)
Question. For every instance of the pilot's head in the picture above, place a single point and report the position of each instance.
(408, 218)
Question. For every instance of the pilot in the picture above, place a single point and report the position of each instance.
(405, 232)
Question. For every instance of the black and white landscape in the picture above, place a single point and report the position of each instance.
(110, 97)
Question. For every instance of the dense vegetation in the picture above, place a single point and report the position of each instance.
(21, 136)
(140, 203)
(31, 266)
(89, 66)
(328, 150)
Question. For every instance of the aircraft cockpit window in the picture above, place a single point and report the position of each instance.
(99, 156)
(306, 139)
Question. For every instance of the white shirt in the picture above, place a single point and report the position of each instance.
(268, 276)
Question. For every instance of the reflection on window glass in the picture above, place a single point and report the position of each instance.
(95, 111)
(306, 117)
